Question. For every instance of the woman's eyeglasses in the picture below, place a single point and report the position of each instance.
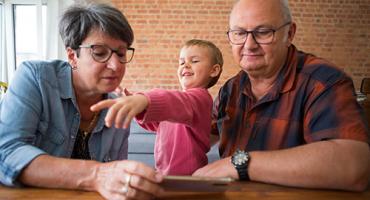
(102, 53)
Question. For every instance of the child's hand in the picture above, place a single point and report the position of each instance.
(122, 110)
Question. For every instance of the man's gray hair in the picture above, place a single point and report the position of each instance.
(287, 15)
(79, 20)
(285, 10)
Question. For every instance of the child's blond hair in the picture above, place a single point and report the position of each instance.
(215, 53)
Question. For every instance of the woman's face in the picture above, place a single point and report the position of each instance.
(92, 77)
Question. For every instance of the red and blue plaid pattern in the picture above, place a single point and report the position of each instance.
(312, 100)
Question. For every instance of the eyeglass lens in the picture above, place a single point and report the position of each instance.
(102, 53)
(261, 36)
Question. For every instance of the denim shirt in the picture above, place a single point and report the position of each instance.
(39, 115)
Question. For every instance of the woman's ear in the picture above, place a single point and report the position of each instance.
(216, 70)
(72, 57)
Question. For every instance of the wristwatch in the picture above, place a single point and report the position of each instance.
(240, 160)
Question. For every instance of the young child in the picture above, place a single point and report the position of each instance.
(181, 119)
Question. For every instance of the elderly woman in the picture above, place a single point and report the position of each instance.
(49, 137)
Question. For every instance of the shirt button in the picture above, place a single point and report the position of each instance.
(108, 159)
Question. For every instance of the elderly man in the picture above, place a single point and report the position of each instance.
(287, 117)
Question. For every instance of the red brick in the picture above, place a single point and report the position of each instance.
(333, 29)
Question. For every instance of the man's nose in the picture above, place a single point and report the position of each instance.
(250, 42)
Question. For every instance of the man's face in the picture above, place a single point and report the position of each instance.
(260, 60)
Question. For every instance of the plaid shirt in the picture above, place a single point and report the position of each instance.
(311, 101)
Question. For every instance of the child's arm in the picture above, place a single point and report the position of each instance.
(122, 110)
(176, 106)
(165, 105)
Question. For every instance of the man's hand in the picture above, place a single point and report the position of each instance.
(122, 110)
(219, 168)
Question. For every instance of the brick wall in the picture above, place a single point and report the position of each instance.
(337, 30)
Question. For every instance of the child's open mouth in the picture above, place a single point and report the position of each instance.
(187, 74)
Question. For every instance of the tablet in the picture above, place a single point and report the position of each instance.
(195, 184)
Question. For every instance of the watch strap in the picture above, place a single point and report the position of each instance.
(243, 173)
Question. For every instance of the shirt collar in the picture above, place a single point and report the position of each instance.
(285, 79)
(67, 92)
(288, 76)
(65, 81)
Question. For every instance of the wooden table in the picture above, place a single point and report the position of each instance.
(238, 190)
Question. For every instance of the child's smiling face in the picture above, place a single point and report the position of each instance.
(195, 67)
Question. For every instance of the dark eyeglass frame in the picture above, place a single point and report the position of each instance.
(111, 51)
(255, 31)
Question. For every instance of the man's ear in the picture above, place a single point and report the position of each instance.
(216, 70)
(72, 57)
(291, 33)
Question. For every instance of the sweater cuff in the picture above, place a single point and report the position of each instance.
(157, 105)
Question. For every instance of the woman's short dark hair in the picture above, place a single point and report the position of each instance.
(79, 20)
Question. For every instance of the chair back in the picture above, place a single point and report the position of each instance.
(365, 86)
(365, 90)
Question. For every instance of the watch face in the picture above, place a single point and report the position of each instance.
(240, 158)
(240, 161)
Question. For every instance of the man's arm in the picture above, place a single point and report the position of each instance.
(333, 164)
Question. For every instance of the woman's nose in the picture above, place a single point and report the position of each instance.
(114, 62)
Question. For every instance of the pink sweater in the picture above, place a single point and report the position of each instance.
(182, 121)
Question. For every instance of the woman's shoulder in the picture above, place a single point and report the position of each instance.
(45, 70)
(41, 65)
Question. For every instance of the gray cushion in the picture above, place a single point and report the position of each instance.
(141, 146)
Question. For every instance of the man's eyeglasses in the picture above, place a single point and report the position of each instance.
(260, 35)
(102, 53)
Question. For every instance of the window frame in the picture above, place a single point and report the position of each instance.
(9, 45)
(1, 35)
(40, 29)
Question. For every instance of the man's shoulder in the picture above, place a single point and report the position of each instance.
(321, 70)
(237, 81)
